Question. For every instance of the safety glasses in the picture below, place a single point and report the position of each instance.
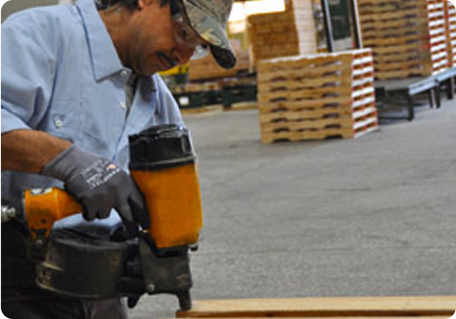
(185, 34)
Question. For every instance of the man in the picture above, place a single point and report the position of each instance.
(76, 82)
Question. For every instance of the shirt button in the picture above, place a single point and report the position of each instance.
(58, 123)
(123, 106)
(123, 73)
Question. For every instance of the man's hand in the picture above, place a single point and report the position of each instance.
(99, 186)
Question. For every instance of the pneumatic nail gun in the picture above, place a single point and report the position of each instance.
(162, 163)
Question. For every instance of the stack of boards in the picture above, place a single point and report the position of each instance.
(407, 37)
(287, 33)
(450, 11)
(317, 96)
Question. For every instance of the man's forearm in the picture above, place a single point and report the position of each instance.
(29, 151)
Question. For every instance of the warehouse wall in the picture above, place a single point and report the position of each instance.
(13, 6)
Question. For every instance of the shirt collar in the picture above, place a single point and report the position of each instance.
(105, 59)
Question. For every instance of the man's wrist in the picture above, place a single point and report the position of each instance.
(68, 163)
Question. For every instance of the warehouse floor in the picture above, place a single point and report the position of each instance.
(373, 216)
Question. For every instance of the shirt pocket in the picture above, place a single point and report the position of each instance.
(64, 120)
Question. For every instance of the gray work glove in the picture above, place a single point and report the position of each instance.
(99, 186)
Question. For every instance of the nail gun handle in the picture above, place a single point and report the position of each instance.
(44, 207)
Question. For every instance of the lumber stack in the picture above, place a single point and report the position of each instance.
(317, 96)
(450, 11)
(196, 87)
(328, 308)
(207, 69)
(407, 36)
(292, 32)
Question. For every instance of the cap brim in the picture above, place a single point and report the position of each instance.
(211, 31)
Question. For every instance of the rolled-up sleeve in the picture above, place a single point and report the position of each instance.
(28, 72)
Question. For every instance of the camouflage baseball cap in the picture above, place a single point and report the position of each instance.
(209, 18)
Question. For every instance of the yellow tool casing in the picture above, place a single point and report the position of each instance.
(173, 200)
(164, 167)
(44, 207)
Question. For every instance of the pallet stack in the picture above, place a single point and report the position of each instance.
(450, 11)
(317, 97)
(407, 36)
(292, 32)
(207, 69)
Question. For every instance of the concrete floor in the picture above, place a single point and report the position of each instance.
(373, 216)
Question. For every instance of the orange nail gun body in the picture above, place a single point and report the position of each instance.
(172, 197)
(162, 163)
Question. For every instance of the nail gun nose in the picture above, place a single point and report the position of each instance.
(185, 301)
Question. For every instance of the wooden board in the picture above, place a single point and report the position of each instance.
(357, 307)
(325, 317)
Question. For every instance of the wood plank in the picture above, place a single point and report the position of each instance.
(393, 15)
(421, 317)
(302, 136)
(327, 307)
(266, 108)
(413, 56)
(273, 111)
(366, 105)
(305, 94)
(305, 114)
(304, 72)
(396, 40)
(399, 49)
(382, 25)
(306, 84)
(383, 2)
(320, 125)
(380, 75)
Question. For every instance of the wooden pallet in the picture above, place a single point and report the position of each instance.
(408, 37)
(317, 97)
(207, 69)
(355, 307)
(196, 87)
(204, 109)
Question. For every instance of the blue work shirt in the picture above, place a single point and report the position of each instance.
(61, 74)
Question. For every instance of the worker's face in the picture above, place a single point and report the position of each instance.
(160, 38)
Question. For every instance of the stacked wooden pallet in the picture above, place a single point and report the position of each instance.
(317, 97)
(450, 11)
(196, 87)
(407, 36)
(207, 69)
(287, 33)
(328, 308)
